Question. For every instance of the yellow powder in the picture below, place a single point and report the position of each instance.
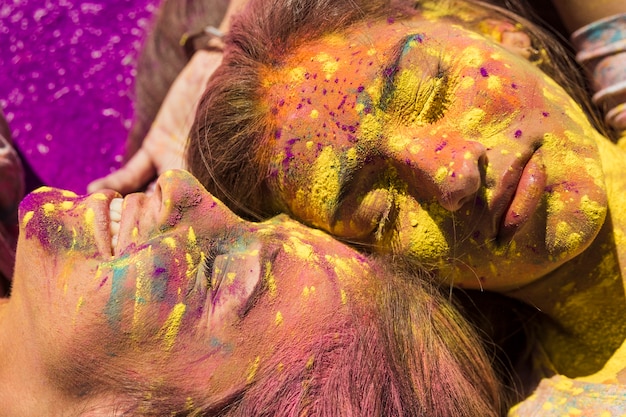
(425, 240)
(68, 194)
(494, 83)
(90, 216)
(472, 120)
(318, 203)
(279, 318)
(66, 205)
(230, 277)
(592, 210)
(466, 83)
(169, 241)
(302, 250)
(79, 304)
(314, 114)
(399, 142)
(270, 281)
(296, 75)
(43, 190)
(441, 175)
(170, 329)
(48, 208)
(191, 237)
(253, 369)
(310, 362)
(473, 57)
(344, 297)
(189, 406)
(27, 216)
(330, 68)
(191, 267)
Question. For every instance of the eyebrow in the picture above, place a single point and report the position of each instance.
(389, 72)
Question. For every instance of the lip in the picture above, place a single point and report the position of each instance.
(525, 198)
(102, 231)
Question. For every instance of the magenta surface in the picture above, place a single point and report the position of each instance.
(66, 79)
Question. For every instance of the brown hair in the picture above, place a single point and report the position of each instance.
(406, 352)
(228, 153)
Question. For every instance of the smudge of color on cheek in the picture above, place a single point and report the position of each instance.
(48, 209)
(27, 217)
(308, 291)
(66, 205)
(89, 216)
(68, 194)
(114, 306)
(170, 329)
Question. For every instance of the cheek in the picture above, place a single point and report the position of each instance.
(58, 224)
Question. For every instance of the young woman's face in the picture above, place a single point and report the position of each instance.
(434, 142)
(190, 293)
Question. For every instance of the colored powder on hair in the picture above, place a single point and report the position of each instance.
(278, 320)
(253, 369)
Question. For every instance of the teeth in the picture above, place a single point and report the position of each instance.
(115, 214)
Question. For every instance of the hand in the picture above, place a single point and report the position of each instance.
(164, 145)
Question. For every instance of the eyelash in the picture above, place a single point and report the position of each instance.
(208, 264)
(429, 102)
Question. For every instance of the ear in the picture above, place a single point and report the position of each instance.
(509, 35)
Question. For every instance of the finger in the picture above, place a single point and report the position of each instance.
(131, 177)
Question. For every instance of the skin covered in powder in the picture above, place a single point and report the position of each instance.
(190, 291)
(433, 142)
(400, 133)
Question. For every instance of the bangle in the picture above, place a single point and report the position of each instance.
(601, 47)
(208, 38)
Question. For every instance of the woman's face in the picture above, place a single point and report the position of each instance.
(430, 140)
(189, 291)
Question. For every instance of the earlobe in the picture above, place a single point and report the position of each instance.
(511, 36)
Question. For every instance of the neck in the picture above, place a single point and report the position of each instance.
(24, 388)
(585, 297)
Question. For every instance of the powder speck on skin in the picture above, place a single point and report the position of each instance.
(253, 369)
(278, 320)
(27, 217)
(90, 216)
(270, 281)
(170, 329)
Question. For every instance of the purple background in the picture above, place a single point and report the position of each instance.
(66, 80)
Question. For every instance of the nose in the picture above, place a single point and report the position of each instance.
(181, 196)
(448, 169)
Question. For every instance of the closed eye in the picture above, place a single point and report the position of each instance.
(418, 101)
(415, 91)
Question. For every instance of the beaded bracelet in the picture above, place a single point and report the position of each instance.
(601, 47)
